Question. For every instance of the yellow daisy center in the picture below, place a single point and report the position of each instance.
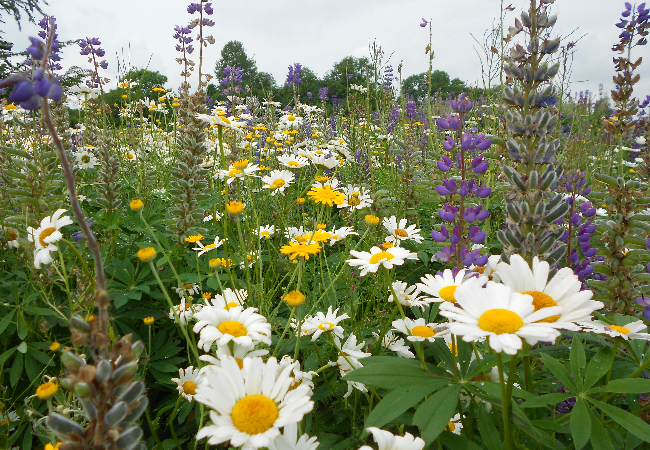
(232, 305)
(620, 329)
(541, 301)
(377, 257)
(11, 235)
(293, 164)
(209, 246)
(447, 293)
(294, 298)
(401, 233)
(254, 414)
(480, 269)
(291, 118)
(423, 331)
(189, 387)
(278, 183)
(187, 286)
(234, 172)
(354, 201)
(240, 363)
(233, 328)
(130, 155)
(326, 326)
(500, 321)
(242, 163)
(451, 426)
(47, 232)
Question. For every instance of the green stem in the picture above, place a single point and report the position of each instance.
(505, 403)
(153, 429)
(171, 422)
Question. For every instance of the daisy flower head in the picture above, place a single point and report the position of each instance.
(324, 323)
(388, 441)
(293, 161)
(278, 181)
(229, 299)
(203, 249)
(85, 159)
(299, 376)
(250, 405)
(237, 171)
(266, 231)
(185, 311)
(46, 235)
(408, 295)
(502, 316)
(338, 234)
(289, 440)
(356, 197)
(627, 331)
(400, 232)
(370, 261)
(349, 355)
(419, 330)
(394, 344)
(455, 425)
(242, 326)
(294, 250)
(326, 160)
(188, 380)
(10, 235)
(442, 287)
(564, 289)
(187, 289)
(326, 195)
(238, 352)
(489, 270)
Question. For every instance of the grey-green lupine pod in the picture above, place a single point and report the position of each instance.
(129, 439)
(63, 427)
(104, 371)
(136, 412)
(116, 414)
(132, 392)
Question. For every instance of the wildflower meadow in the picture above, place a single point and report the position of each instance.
(354, 262)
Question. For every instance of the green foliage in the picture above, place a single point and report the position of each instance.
(416, 86)
(349, 70)
(233, 54)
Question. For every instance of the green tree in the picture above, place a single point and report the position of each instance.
(416, 85)
(15, 7)
(147, 80)
(233, 54)
(350, 70)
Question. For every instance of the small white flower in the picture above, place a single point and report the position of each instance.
(355, 197)
(185, 311)
(203, 249)
(288, 440)
(388, 441)
(324, 323)
(400, 232)
(442, 287)
(189, 288)
(85, 158)
(278, 181)
(229, 299)
(242, 326)
(189, 379)
(349, 355)
(627, 332)
(293, 161)
(266, 231)
(46, 235)
(370, 261)
(408, 296)
(338, 234)
(419, 330)
(395, 344)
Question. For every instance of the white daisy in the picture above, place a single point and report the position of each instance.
(187, 288)
(242, 326)
(11, 236)
(349, 355)
(278, 181)
(229, 299)
(499, 314)
(46, 235)
(356, 197)
(222, 120)
(408, 296)
(237, 171)
(563, 290)
(395, 344)
(388, 441)
(419, 330)
(442, 287)
(455, 424)
(627, 332)
(370, 261)
(338, 234)
(293, 161)
(288, 440)
(85, 158)
(189, 379)
(130, 155)
(400, 232)
(299, 376)
(249, 405)
(266, 231)
(489, 270)
(238, 352)
(292, 232)
(185, 311)
(203, 249)
(318, 158)
(324, 323)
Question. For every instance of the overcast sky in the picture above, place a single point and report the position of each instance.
(317, 33)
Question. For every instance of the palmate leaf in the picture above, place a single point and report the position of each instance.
(598, 366)
(625, 386)
(433, 415)
(628, 421)
(578, 360)
(393, 374)
(488, 430)
(558, 370)
(580, 424)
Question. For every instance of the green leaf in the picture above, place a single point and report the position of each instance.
(598, 366)
(16, 369)
(524, 424)
(488, 430)
(482, 366)
(545, 400)
(557, 369)
(457, 442)
(580, 424)
(433, 415)
(628, 421)
(600, 440)
(32, 367)
(401, 400)
(625, 386)
(389, 375)
(578, 360)
(6, 320)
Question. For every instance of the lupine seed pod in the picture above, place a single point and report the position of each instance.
(104, 371)
(63, 427)
(132, 392)
(129, 438)
(72, 362)
(116, 414)
(125, 372)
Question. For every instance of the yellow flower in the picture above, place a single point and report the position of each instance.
(176, 104)
(136, 205)
(321, 226)
(326, 195)
(294, 298)
(148, 320)
(47, 390)
(235, 207)
(301, 200)
(322, 179)
(371, 220)
(194, 238)
(53, 447)
(146, 254)
(207, 295)
(54, 346)
(9, 107)
(303, 250)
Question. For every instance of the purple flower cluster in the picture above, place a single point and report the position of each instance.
(293, 77)
(48, 26)
(388, 77)
(322, 93)
(579, 250)
(194, 7)
(184, 40)
(90, 46)
(29, 87)
(230, 81)
(636, 24)
(465, 156)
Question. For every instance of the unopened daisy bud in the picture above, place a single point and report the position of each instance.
(321, 226)
(215, 263)
(47, 390)
(54, 346)
(294, 298)
(146, 254)
(371, 220)
(300, 200)
(136, 205)
(148, 320)
(235, 207)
